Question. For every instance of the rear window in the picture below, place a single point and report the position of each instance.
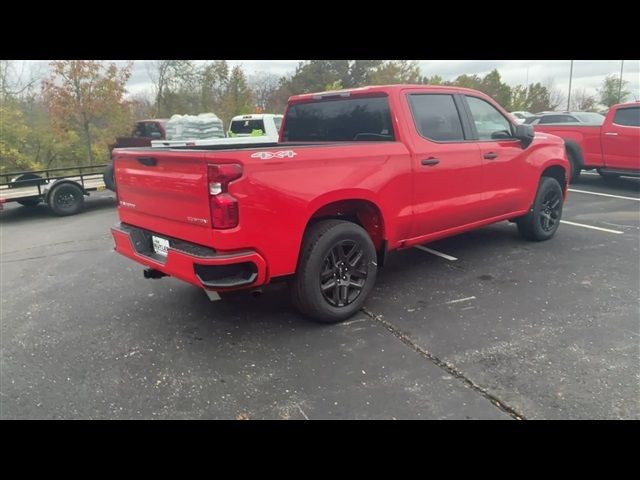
(339, 120)
(629, 117)
(147, 129)
(558, 119)
(246, 127)
(592, 118)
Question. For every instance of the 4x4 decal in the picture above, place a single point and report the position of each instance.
(278, 154)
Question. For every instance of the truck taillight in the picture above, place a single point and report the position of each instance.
(224, 206)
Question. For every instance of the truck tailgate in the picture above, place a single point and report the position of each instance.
(164, 190)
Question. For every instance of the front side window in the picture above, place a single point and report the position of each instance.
(489, 122)
(339, 120)
(436, 117)
(629, 117)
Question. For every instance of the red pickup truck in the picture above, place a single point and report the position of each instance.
(356, 173)
(612, 148)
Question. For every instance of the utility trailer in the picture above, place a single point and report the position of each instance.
(62, 189)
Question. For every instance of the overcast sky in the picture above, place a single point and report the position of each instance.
(587, 74)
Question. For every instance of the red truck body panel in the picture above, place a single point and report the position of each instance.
(609, 146)
(399, 201)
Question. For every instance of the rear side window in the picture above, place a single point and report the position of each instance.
(489, 122)
(629, 117)
(339, 120)
(436, 117)
(246, 127)
(558, 119)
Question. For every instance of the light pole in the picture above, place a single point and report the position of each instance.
(569, 96)
(620, 83)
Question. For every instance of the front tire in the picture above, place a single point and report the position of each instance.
(543, 220)
(336, 271)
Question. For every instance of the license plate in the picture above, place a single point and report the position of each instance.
(100, 188)
(160, 245)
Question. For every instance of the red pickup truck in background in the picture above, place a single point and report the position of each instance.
(143, 133)
(356, 173)
(612, 148)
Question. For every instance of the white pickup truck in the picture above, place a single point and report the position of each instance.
(243, 129)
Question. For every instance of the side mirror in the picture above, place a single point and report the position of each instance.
(524, 132)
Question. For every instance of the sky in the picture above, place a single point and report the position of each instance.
(587, 74)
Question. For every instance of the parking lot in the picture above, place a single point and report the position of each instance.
(484, 325)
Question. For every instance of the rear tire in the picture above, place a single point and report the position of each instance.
(336, 271)
(109, 178)
(576, 169)
(542, 221)
(66, 199)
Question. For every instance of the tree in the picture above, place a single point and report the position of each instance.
(174, 84)
(556, 97)
(538, 99)
(213, 81)
(238, 97)
(85, 94)
(396, 71)
(583, 102)
(435, 80)
(468, 81)
(610, 92)
(518, 100)
(360, 72)
(264, 86)
(493, 86)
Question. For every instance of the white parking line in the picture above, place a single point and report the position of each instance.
(460, 300)
(591, 227)
(605, 195)
(435, 252)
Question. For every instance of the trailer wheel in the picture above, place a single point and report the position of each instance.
(66, 199)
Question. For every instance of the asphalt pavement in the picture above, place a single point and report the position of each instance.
(484, 325)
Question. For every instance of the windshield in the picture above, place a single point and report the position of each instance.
(278, 122)
(339, 120)
(592, 118)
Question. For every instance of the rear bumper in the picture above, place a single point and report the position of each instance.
(195, 264)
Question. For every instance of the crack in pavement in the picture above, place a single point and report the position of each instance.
(48, 245)
(445, 366)
(50, 255)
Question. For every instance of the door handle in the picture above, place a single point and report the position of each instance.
(148, 161)
(611, 134)
(430, 162)
(490, 155)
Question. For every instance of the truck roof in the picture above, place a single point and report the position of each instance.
(378, 89)
(256, 116)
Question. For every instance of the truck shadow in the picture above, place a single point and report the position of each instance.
(619, 184)
(13, 212)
